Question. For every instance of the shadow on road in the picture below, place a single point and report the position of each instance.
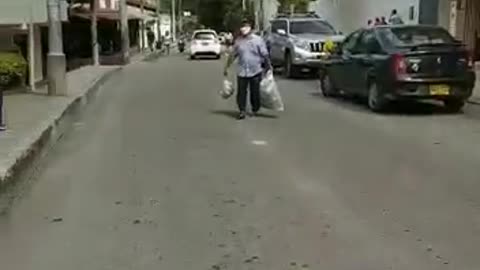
(233, 114)
(227, 113)
(403, 108)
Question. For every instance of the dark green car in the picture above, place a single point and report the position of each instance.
(388, 63)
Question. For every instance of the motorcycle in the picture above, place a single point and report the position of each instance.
(181, 45)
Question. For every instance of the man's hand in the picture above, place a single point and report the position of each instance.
(225, 73)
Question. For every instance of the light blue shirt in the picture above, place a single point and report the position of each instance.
(251, 52)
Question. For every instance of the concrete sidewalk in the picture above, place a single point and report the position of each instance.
(36, 120)
(33, 119)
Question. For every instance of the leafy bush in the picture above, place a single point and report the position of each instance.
(13, 68)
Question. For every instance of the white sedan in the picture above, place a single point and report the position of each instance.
(205, 43)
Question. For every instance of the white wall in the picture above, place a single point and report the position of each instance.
(444, 13)
(19, 11)
(349, 15)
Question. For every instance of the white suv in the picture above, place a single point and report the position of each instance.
(296, 42)
(205, 43)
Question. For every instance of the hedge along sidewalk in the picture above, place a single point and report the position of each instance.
(34, 120)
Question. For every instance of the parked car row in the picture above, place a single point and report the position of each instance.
(381, 64)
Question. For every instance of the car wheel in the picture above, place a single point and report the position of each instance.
(376, 101)
(192, 57)
(288, 68)
(218, 56)
(454, 105)
(327, 86)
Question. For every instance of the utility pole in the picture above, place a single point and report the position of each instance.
(180, 16)
(174, 22)
(94, 32)
(159, 21)
(142, 26)
(244, 5)
(125, 33)
(262, 16)
(56, 62)
(31, 52)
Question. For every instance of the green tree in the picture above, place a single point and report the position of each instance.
(223, 15)
(299, 5)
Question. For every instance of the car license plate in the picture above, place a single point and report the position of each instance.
(439, 90)
(205, 43)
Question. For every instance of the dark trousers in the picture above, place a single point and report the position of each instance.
(252, 84)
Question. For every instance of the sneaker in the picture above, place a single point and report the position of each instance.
(241, 116)
(3, 127)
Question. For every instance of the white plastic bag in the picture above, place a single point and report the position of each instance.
(269, 95)
(227, 90)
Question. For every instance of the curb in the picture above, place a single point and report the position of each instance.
(474, 102)
(50, 134)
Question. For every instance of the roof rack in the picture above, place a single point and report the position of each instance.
(311, 14)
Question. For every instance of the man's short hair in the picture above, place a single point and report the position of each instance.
(246, 22)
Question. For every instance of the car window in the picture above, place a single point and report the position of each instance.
(415, 36)
(351, 41)
(279, 25)
(311, 27)
(369, 43)
(283, 25)
(204, 36)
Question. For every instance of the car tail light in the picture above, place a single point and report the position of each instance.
(194, 42)
(399, 65)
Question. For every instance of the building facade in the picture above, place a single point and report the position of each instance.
(465, 23)
(348, 15)
(16, 17)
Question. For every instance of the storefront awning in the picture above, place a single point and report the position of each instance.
(133, 13)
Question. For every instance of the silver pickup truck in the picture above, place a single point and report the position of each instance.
(296, 42)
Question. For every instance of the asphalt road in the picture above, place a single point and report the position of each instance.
(158, 175)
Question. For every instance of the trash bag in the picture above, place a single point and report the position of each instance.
(227, 90)
(269, 95)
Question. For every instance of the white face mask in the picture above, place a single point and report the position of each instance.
(245, 30)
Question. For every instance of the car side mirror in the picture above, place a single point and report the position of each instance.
(281, 32)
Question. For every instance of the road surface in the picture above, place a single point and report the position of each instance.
(157, 174)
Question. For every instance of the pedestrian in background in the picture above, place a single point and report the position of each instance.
(2, 114)
(253, 61)
(383, 21)
(369, 24)
(151, 39)
(395, 18)
(166, 42)
(377, 21)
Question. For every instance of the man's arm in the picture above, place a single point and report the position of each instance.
(265, 54)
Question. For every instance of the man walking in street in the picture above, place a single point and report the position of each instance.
(253, 61)
(395, 18)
